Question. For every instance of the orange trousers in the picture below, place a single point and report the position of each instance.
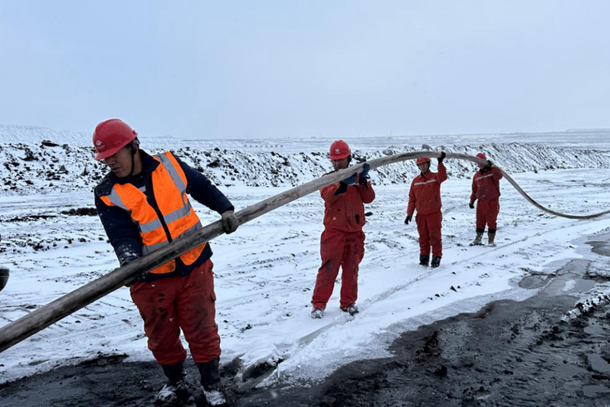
(338, 249)
(487, 213)
(429, 229)
(181, 302)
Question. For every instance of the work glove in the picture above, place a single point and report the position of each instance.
(441, 158)
(138, 278)
(489, 164)
(408, 219)
(471, 204)
(126, 258)
(362, 177)
(229, 221)
(351, 180)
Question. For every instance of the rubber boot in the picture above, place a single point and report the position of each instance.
(491, 236)
(478, 241)
(317, 313)
(174, 373)
(210, 380)
(352, 309)
(176, 390)
(436, 261)
(424, 259)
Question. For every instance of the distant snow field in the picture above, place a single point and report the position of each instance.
(265, 272)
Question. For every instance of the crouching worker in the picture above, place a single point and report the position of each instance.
(425, 197)
(342, 242)
(142, 203)
(486, 191)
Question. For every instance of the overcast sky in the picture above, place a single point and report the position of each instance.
(337, 69)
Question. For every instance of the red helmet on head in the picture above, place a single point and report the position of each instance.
(481, 156)
(110, 136)
(339, 150)
(422, 160)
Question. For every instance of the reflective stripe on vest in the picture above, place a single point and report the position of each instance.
(169, 188)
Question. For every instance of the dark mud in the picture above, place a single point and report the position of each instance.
(507, 354)
(104, 381)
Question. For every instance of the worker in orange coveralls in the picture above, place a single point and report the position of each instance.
(425, 196)
(342, 242)
(486, 191)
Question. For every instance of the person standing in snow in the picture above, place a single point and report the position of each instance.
(342, 241)
(425, 197)
(486, 191)
(142, 203)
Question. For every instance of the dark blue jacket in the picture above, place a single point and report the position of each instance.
(123, 231)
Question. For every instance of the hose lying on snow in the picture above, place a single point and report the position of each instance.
(41, 318)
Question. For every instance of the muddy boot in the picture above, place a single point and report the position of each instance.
(436, 261)
(424, 259)
(478, 241)
(352, 309)
(317, 313)
(177, 390)
(210, 380)
(491, 236)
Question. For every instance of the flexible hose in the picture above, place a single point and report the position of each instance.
(521, 191)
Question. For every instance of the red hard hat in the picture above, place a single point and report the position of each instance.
(422, 160)
(339, 150)
(481, 156)
(110, 136)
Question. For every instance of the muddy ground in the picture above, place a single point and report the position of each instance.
(544, 351)
(507, 354)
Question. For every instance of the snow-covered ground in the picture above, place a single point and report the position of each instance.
(265, 271)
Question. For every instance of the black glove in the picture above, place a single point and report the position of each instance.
(342, 188)
(408, 219)
(362, 177)
(471, 204)
(229, 221)
(441, 158)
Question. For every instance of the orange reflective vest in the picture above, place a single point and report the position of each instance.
(173, 217)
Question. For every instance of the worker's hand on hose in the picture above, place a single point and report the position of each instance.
(124, 259)
(362, 177)
(441, 158)
(229, 221)
(489, 164)
(408, 219)
(471, 204)
(351, 180)
(138, 278)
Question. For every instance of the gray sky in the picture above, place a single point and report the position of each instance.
(306, 68)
